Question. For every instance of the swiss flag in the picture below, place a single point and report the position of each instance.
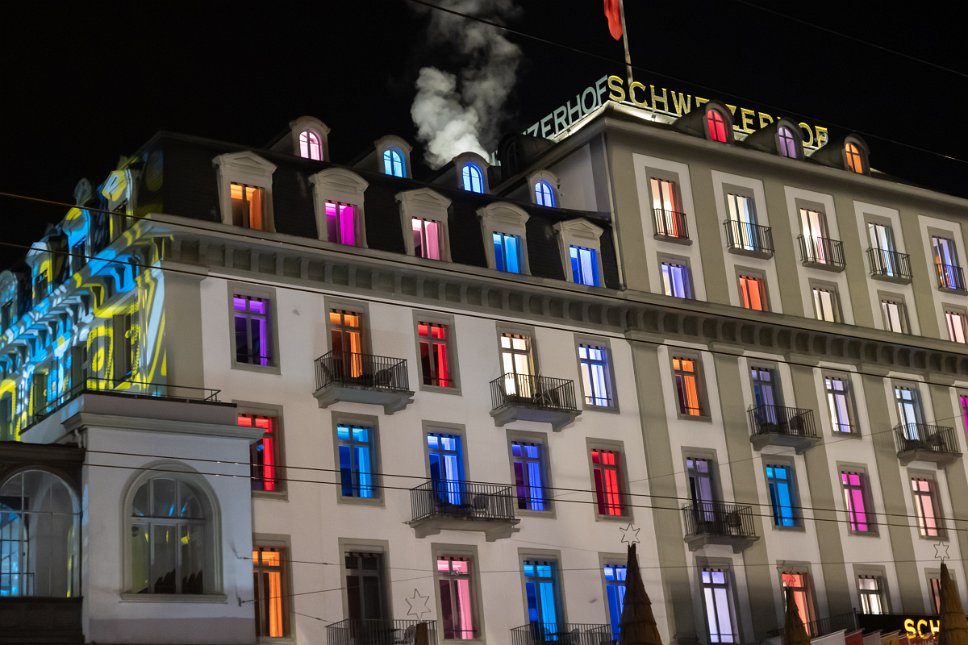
(613, 13)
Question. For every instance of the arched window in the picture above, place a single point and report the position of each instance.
(310, 146)
(716, 125)
(393, 164)
(787, 142)
(39, 536)
(473, 178)
(544, 194)
(855, 160)
(172, 538)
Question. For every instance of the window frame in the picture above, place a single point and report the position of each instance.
(615, 560)
(444, 428)
(365, 545)
(837, 307)
(468, 551)
(267, 294)
(524, 436)
(612, 390)
(621, 465)
(949, 311)
(388, 142)
(934, 493)
(552, 182)
(317, 127)
(346, 305)
(900, 301)
(284, 544)
(796, 513)
(125, 345)
(678, 261)
(426, 204)
(507, 219)
(753, 274)
(453, 362)
(372, 424)
(870, 518)
(726, 566)
(879, 574)
(343, 187)
(274, 412)
(860, 153)
(581, 233)
(544, 555)
(659, 176)
(796, 137)
(705, 414)
(854, 425)
(725, 120)
(797, 568)
(249, 169)
(462, 162)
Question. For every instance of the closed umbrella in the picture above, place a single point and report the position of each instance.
(954, 625)
(637, 623)
(794, 633)
(421, 635)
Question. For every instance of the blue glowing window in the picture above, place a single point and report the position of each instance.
(615, 594)
(780, 481)
(541, 590)
(446, 459)
(393, 163)
(473, 178)
(584, 266)
(544, 194)
(356, 467)
(528, 463)
(507, 252)
(675, 280)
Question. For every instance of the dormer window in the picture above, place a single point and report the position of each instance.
(338, 198)
(423, 216)
(248, 203)
(245, 190)
(471, 171)
(310, 147)
(787, 142)
(393, 163)
(505, 241)
(543, 189)
(855, 158)
(472, 178)
(717, 125)
(309, 138)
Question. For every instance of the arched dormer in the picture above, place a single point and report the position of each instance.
(423, 217)
(471, 171)
(310, 138)
(505, 237)
(338, 201)
(712, 121)
(245, 190)
(543, 186)
(782, 137)
(855, 154)
(393, 156)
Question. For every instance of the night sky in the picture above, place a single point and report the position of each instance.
(81, 87)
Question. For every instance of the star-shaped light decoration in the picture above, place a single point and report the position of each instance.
(630, 534)
(941, 551)
(418, 605)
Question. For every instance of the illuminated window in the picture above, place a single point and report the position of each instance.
(668, 217)
(253, 344)
(457, 606)
(264, 453)
(426, 238)
(752, 292)
(718, 605)
(676, 281)
(870, 589)
(393, 162)
(686, 376)
(544, 194)
(595, 375)
(855, 161)
(356, 461)
(950, 274)
(433, 341)
(957, 326)
(934, 582)
(615, 576)
(782, 489)
(269, 593)
(584, 265)
(909, 412)
(742, 231)
(608, 489)
(248, 205)
(445, 462)
(473, 178)
(826, 305)
(172, 538)
(541, 589)
(798, 582)
(528, 461)
(507, 252)
(716, 126)
(346, 339)
(894, 315)
(838, 403)
(310, 146)
(854, 485)
(341, 223)
(788, 143)
(926, 507)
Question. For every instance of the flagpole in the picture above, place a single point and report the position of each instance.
(625, 42)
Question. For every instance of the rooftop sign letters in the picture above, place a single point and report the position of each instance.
(659, 100)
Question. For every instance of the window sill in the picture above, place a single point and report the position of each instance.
(764, 254)
(869, 534)
(549, 514)
(694, 417)
(360, 501)
(259, 369)
(847, 435)
(960, 292)
(279, 495)
(799, 528)
(624, 517)
(672, 239)
(610, 409)
(440, 389)
(217, 598)
(895, 279)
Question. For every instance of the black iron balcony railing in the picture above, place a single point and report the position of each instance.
(824, 626)
(448, 498)
(670, 224)
(718, 519)
(922, 436)
(534, 391)
(362, 370)
(743, 236)
(821, 251)
(377, 632)
(561, 634)
(951, 276)
(889, 264)
(778, 419)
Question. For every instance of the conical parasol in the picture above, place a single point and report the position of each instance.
(637, 624)
(954, 625)
(794, 633)
(421, 635)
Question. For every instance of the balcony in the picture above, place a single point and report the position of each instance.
(463, 506)
(749, 239)
(363, 378)
(670, 226)
(776, 425)
(377, 632)
(923, 442)
(719, 523)
(889, 265)
(523, 397)
(821, 253)
(951, 277)
(562, 634)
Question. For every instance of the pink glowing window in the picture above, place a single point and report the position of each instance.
(310, 146)
(263, 458)
(855, 501)
(252, 342)
(341, 223)
(716, 125)
(426, 238)
(925, 507)
(456, 598)
(608, 492)
(433, 354)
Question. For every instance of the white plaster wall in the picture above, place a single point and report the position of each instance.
(575, 173)
(939, 297)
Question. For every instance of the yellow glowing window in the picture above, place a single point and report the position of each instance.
(855, 162)
(270, 614)
(248, 206)
(346, 336)
(687, 386)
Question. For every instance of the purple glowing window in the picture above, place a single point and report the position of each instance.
(788, 142)
(341, 223)
(855, 502)
(253, 345)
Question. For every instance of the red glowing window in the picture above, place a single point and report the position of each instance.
(434, 364)
(263, 457)
(605, 465)
(716, 125)
(753, 292)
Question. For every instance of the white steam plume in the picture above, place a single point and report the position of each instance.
(463, 112)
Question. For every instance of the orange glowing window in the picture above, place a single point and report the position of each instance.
(346, 338)
(247, 206)
(263, 454)
(270, 606)
(799, 585)
(608, 493)
(752, 291)
(684, 371)
(855, 162)
(716, 125)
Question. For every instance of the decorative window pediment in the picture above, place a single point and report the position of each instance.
(471, 169)
(393, 156)
(245, 190)
(423, 217)
(505, 237)
(310, 138)
(543, 187)
(338, 201)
